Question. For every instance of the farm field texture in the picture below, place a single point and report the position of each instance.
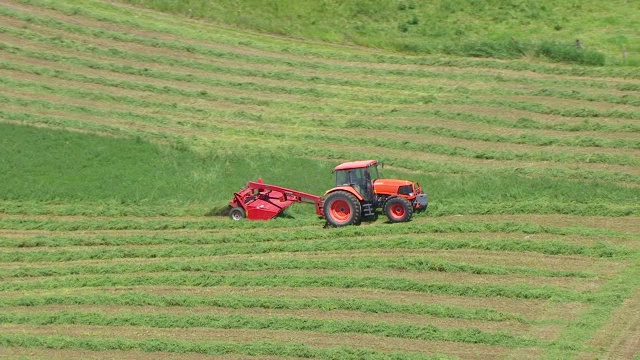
(125, 131)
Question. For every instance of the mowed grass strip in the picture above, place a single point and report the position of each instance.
(433, 270)
(553, 265)
(577, 285)
(247, 301)
(153, 345)
(546, 227)
(543, 332)
(327, 279)
(418, 313)
(301, 228)
(377, 347)
(240, 321)
(348, 262)
(261, 89)
(317, 243)
(143, 111)
(538, 312)
(413, 120)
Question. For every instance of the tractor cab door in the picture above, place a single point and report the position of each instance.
(360, 179)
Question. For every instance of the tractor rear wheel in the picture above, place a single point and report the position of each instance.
(398, 209)
(342, 208)
(237, 213)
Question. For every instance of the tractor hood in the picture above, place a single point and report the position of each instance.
(391, 182)
(390, 186)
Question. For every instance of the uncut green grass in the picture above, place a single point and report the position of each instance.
(78, 167)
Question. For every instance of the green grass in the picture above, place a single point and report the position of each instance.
(124, 132)
(65, 166)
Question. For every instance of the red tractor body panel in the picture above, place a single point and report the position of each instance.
(389, 186)
(348, 189)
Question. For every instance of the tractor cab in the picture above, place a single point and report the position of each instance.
(360, 175)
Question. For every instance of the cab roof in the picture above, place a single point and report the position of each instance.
(355, 165)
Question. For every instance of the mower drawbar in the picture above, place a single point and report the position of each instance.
(260, 201)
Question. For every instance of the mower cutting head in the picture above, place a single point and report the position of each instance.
(260, 201)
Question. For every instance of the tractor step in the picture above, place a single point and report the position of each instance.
(367, 210)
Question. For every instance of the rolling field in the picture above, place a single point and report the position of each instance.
(124, 133)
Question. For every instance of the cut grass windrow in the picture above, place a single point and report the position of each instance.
(260, 348)
(133, 298)
(360, 263)
(279, 230)
(518, 291)
(526, 122)
(237, 321)
(305, 241)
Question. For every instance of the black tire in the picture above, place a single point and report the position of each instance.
(342, 208)
(398, 209)
(237, 213)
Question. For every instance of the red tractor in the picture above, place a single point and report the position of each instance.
(358, 193)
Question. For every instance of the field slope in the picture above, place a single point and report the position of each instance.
(124, 132)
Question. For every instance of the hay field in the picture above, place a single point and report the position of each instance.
(124, 130)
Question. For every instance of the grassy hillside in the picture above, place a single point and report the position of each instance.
(125, 130)
(502, 29)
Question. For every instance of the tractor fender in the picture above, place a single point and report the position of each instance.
(348, 189)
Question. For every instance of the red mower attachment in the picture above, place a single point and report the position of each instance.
(260, 201)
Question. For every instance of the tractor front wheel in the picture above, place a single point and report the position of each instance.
(398, 209)
(237, 213)
(342, 208)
